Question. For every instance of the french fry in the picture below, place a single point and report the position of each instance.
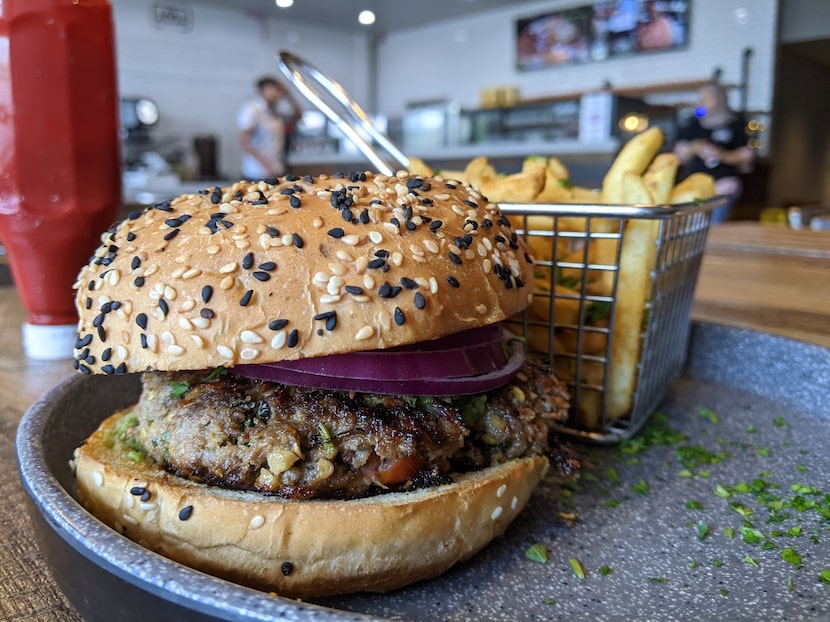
(520, 187)
(659, 178)
(695, 187)
(634, 157)
(418, 167)
(479, 171)
(559, 170)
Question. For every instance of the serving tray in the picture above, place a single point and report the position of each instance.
(643, 534)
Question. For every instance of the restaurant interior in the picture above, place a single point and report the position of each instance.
(723, 330)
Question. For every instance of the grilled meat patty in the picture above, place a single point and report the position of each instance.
(246, 434)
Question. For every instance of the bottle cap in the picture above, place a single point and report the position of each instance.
(49, 342)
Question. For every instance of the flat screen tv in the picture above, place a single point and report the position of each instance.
(601, 31)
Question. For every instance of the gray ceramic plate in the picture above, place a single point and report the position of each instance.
(631, 524)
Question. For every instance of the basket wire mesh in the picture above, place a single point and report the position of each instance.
(576, 330)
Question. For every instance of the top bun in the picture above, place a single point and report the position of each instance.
(259, 272)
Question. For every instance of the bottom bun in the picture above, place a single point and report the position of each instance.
(302, 549)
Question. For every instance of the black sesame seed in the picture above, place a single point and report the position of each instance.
(395, 290)
(293, 338)
(466, 241)
(173, 222)
(114, 305)
(286, 568)
(486, 223)
(411, 184)
(207, 292)
(185, 513)
(136, 263)
(145, 496)
(217, 215)
(134, 215)
(226, 223)
(171, 234)
(384, 290)
(248, 261)
(292, 178)
(353, 289)
(471, 203)
(273, 232)
(528, 258)
(102, 333)
(260, 202)
(106, 307)
(410, 226)
(336, 233)
(164, 206)
(308, 179)
(364, 216)
(76, 363)
(90, 360)
(85, 341)
(267, 266)
(216, 196)
(408, 283)
(84, 370)
(84, 354)
(294, 201)
(400, 318)
(88, 303)
(91, 286)
(347, 214)
(298, 241)
(243, 302)
(382, 253)
(407, 212)
(395, 222)
(450, 186)
(500, 238)
(121, 369)
(376, 263)
(163, 306)
(435, 225)
(287, 191)
(331, 323)
(143, 339)
(455, 258)
(519, 282)
(130, 236)
(324, 315)
(453, 281)
(206, 313)
(277, 324)
(261, 276)
(137, 491)
(106, 355)
(272, 181)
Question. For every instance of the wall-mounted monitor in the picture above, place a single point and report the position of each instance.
(601, 31)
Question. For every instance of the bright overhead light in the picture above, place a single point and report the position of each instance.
(284, 4)
(366, 17)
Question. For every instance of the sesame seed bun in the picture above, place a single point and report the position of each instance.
(258, 273)
(302, 549)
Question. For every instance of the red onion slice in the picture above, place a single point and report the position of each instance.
(457, 365)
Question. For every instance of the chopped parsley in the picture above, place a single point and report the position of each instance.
(216, 373)
(579, 571)
(178, 388)
(537, 553)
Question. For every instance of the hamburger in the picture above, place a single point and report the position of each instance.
(328, 403)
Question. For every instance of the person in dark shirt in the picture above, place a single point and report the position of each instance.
(715, 142)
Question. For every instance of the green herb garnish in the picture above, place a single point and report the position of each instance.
(605, 570)
(216, 373)
(751, 562)
(579, 571)
(537, 553)
(791, 556)
(824, 576)
(641, 487)
(597, 311)
(565, 183)
(178, 388)
(710, 415)
(702, 530)
(658, 580)
(694, 505)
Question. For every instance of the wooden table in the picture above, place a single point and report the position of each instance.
(767, 278)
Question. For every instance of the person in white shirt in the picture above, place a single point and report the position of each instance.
(264, 124)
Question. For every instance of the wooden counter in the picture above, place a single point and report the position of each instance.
(767, 278)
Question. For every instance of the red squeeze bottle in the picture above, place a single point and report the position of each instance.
(60, 178)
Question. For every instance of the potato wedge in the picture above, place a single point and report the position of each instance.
(696, 187)
(634, 157)
(418, 167)
(519, 187)
(478, 171)
(659, 178)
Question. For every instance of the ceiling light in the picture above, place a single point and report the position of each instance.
(366, 17)
(284, 4)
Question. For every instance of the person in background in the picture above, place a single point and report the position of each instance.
(715, 142)
(655, 33)
(265, 124)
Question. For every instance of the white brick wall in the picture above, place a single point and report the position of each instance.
(199, 79)
(458, 58)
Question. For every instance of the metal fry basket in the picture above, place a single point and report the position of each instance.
(595, 273)
(598, 267)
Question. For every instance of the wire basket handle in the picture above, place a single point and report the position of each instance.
(351, 119)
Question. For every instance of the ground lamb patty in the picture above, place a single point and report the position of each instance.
(248, 434)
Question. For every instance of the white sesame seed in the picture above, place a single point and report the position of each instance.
(454, 249)
(442, 197)
(416, 250)
(351, 239)
(482, 251)
(317, 222)
(129, 519)
(496, 512)
(336, 282)
(431, 246)
(343, 255)
(213, 249)
(257, 522)
(368, 281)
(360, 298)
(228, 268)
(397, 259)
(121, 352)
(458, 211)
(248, 354)
(328, 299)
(265, 240)
(226, 283)
(433, 285)
(225, 352)
(487, 244)
(197, 341)
(249, 336)
(98, 478)
(390, 227)
(148, 507)
(376, 236)
(385, 320)
(152, 343)
(338, 269)
(486, 266)
(502, 489)
(364, 333)
(178, 272)
(113, 276)
(470, 253)
(422, 282)
(279, 340)
(360, 264)
(200, 322)
(514, 503)
(481, 309)
(286, 240)
(169, 292)
(175, 350)
(129, 501)
(189, 274)
(159, 314)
